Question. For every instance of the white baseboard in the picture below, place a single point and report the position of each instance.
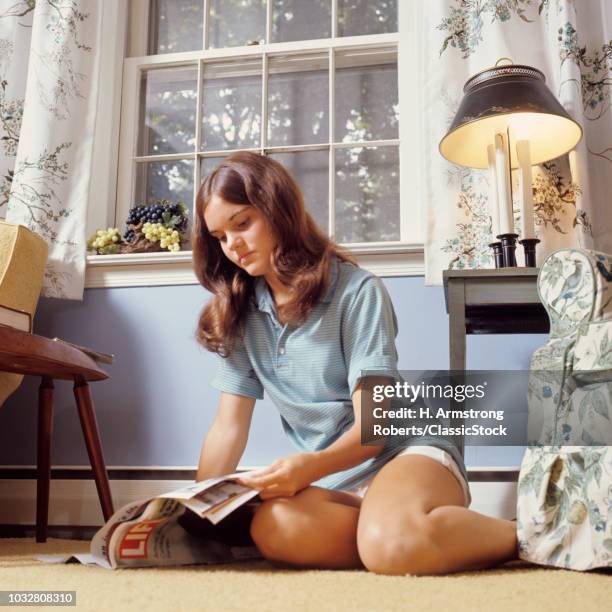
(496, 499)
(75, 502)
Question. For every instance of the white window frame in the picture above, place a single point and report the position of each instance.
(402, 258)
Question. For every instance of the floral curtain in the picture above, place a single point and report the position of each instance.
(571, 43)
(49, 65)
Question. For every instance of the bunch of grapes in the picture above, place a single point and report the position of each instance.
(171, 216)
(129, 235)
(105, 242)
(168, 238)
(149, 228)
(142, 214)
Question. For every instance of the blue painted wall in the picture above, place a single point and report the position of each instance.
(157, 405)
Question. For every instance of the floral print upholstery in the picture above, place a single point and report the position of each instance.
(564, 508)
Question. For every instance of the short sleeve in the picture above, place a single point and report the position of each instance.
(368, 332)
(236, 375)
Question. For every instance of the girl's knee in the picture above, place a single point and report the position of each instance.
(394, 548)
(273, 529)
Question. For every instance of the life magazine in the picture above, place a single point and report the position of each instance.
(177, 528)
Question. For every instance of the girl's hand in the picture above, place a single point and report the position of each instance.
(284, 477)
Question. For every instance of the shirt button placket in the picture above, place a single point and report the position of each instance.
(281, 347)
(279, 355)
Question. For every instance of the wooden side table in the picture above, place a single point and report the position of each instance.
(503, 301)
(496, 301)
(28, 354)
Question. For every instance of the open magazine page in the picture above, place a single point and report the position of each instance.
(203, 499)
(220, 511)
(190, 490)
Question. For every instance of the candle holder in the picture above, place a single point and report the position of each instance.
(508, 242)
(498, 254)
(529, 246)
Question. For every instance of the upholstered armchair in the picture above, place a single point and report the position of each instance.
(564, 509)
(23, 255)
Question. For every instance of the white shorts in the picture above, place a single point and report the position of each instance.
(441, 456)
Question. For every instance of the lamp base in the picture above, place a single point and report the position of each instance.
(497, 254)
(508, 242)
(529, 246)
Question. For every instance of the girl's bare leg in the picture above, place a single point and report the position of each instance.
(413, 521)
(315, 528)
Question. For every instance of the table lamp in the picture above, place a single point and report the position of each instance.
(508, 119)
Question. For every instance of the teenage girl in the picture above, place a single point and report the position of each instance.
(293, 314)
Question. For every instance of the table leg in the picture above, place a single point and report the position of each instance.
(456, 342)
(89, 425)
(43, 459)
(456, 323)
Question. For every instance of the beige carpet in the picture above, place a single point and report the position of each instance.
(257, 586)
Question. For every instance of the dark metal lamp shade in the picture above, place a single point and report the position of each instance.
(515, 98)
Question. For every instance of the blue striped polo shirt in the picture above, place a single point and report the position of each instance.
(310, 372)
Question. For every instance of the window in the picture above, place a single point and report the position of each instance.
(321, 97)
(312, 84)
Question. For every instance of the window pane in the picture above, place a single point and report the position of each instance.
(236, 22)
(310, 169)
(357, 17)
(177, 26)
(300, 20)
(366, 97)
(166, 179)
(169, 101)
(231, 105)
(208, 164)
(367, 194)
(298, 99)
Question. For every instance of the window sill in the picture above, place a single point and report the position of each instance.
(158, 269)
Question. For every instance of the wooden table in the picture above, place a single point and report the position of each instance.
(503, 301)
(496, 301)
(28, 354)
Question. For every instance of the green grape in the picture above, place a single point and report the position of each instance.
(104, 238)
(168, 238)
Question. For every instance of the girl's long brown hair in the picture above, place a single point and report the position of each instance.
(301, 258)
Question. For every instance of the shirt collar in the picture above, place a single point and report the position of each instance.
(263, 297)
